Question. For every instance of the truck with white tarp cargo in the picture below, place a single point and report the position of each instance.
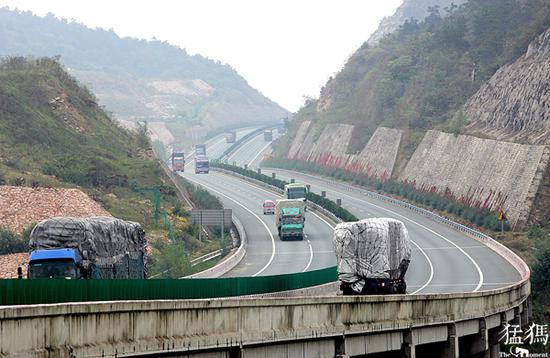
(372, 256)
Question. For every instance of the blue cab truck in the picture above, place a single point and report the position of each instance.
(89, 248)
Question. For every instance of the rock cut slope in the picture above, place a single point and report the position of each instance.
(514, 105)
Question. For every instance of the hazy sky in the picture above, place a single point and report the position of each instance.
(284, 48)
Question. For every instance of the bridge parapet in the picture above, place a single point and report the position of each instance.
(246, 324)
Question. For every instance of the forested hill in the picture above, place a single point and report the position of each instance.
(54, 134)
(419, 77)
(139, 79)
(408, 10)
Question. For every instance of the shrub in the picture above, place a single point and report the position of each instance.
(10, 243)
(171, 261)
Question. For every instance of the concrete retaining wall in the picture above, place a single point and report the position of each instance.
(376, 160)
(299, 139)
(479, 172)
(378, 157)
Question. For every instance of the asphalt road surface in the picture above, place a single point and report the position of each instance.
(443, 260)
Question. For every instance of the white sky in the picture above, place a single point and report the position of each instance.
(286, 49)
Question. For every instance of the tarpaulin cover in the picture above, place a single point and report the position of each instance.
(371, 248)
(111, 248)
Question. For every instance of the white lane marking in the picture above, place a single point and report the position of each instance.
(257, 155)
(469, 284)
(278, 195)
(480, 273)
(431, 269)
(454, 248)
(257, 217)
(310, 256)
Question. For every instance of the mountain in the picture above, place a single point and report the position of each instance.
(54, 134)
(141, 80)
(455, 105)
(410, 10)
(419, 77)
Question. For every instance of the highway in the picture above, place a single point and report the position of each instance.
(443, 260)
(266, 254)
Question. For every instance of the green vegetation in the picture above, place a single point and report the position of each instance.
(420, 76)
(325, 203)
(10, 243)
(53, 133)
(201, 197)
(130, 73)
(477, 216)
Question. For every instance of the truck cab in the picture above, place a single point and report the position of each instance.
(296, 191)
(55, 263)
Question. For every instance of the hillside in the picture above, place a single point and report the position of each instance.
(408, 10)
(141, 80)
(420, 77)
(455, 105)
(54, 134)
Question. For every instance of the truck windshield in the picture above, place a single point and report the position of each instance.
(53, 269)
(296, 193)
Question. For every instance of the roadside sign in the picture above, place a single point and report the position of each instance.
(211, 217)
(501, 216)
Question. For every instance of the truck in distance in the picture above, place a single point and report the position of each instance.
(97, 247)
(296, 191)
(178, 161)
(372, 256)
(230, 137)
(200, 149)
(202, 164)
(268, 135)
(290, 218)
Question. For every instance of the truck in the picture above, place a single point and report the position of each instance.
(202, 164)
(296, 191)
(230, 137)
(268, 135)
(200, 149)
(87, 248)
(178, 161)
(290, 218)
(372, 256)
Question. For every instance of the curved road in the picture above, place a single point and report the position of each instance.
(266, 254)
(444, 260)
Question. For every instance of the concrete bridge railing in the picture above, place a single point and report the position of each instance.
(337, 325)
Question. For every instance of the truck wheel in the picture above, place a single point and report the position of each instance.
(402, 288)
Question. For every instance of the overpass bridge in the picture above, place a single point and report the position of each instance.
(309, 322)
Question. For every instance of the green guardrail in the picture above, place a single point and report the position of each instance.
(22, 292)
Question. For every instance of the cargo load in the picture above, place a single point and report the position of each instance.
(290, 218)
(97, 247)
(372, 256)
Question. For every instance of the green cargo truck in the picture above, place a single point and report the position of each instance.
(289, 218)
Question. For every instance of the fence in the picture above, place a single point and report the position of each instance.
(19, 292)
